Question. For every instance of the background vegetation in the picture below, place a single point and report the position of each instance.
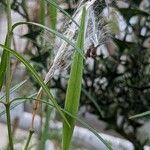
(115, 87)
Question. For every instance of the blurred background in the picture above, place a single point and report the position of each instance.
(115, 80)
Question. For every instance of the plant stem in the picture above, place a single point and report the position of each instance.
(37, 104)
(9, 126)
(42, 12)
(8, 44)
(46, 127)
(52, 15)
(29, 139)
(8, 75)
(53, 19)
(41, 21)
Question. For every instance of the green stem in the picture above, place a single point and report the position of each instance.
(8, 44)
(42, 12)
(8, 76)
(9, 15)
(46, 127)
(9, 126)
(29, 139)
(52, 11)
(42, 21)
(53, 19)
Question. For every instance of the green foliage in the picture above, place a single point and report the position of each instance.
(75, 77)
(115, 87)
(74, 86)
(53, 15)
(38, 78)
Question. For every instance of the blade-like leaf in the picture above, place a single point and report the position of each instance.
(16, 104)
(52, 15)
(140, 115)
(74, 86)
(13, 89)
(3, 68)
(37, 77)
(52, 31)
(68, 113)
(4, 60)
(63, 11)
(93, 101)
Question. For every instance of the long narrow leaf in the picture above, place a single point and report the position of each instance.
(4, 60)
(52, 31)
(93, 101)
(52, 15)
(107, 144)
(140, 115)
(3, 68)
(74, 86)
(17, 86)
(12, 106)
(63, 11)
(37, 77)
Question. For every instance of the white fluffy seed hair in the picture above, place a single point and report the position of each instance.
(96, 33)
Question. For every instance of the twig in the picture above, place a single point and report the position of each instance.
(29, 139)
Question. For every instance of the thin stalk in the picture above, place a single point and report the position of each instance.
(14, 128)
(8, 75)
(7, 106)
(42, 21)
(29, 139)
(42, 12)
(38, 105)
(45, 132)
(8, 44)
(52, 11)
(39, 80)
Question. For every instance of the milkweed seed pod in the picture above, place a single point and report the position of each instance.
(97, 33)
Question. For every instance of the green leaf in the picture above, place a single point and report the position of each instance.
(74, 86)
(13, 89)
(71, 115)
(52, 31)
(63, 11)
(52, 10)
(140, 115)
(3, 68)
(4, 60)
(93, 101)
(16, 104)
(38, 78)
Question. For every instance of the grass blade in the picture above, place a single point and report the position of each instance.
(3, 67)
(74, 86)
(17, 86)
(52, 10)
(53, 3)
(107, 144)
(4, 59)
(52, 31)
(16, 104)
(39, 80)
(93, 101)
(140, 115)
